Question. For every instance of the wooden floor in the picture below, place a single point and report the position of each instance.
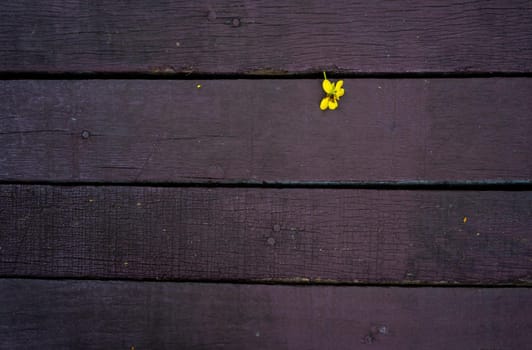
(168, 180)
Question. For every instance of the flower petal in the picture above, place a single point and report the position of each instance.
(324, 103)
(333, 104)
(339, 84)
(339, 93)
(327, 86)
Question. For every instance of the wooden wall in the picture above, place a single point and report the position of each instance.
(168, 180)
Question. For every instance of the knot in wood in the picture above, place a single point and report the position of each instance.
(235, 22)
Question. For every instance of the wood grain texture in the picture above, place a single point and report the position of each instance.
(278, 235)
(265, 130)
(38, 314)
(261, 37)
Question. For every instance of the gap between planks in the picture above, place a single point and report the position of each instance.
(465, 185)
(35, 75)
(301, 282)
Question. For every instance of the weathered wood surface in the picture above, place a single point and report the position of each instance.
(261, 37)
(265, 130)
(278, 235)
(122, 315)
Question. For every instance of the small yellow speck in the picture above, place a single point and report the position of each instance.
(91, 200)
(465, 219)
(198, 86)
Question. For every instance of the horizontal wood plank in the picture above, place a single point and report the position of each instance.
(265, 130)
(38, 314)
(261, 37)
(279, 235)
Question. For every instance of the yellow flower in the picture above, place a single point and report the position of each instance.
(334, 91)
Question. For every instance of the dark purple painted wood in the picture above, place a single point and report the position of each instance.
(265, 130)
(121, 315)
(279, 235)
(261, 37)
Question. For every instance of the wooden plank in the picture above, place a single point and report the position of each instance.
(265, 130)
(282, 235)
(258, 37)
(38, 314)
